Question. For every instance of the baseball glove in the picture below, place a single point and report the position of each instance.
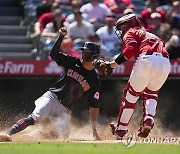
(103, 67)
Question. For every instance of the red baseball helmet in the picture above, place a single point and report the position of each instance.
(126, 22)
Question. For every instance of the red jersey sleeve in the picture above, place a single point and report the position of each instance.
(130, 44)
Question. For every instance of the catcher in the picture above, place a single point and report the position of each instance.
(150, 71)
(79, 77)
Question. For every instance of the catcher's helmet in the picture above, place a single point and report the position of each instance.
(90, 51)
(126, 22)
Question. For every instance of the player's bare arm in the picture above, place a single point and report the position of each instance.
(93, 116)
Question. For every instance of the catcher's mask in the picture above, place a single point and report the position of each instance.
(90, 51)
(126, 22)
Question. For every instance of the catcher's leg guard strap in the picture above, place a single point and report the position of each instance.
(20, 125)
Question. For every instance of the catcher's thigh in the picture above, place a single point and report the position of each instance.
(149, 71)
(160, 72)
(140, 75)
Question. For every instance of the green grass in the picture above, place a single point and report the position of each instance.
(85, 148)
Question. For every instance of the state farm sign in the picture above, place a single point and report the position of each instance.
(49, 67)
(8, 67)
(29, 67)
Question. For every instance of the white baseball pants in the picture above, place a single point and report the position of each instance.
(148, 75)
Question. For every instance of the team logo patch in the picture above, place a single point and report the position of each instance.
(96, 95)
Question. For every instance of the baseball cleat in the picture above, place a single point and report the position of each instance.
(113, 127)
(5, 138)
(118, 133)
(145, 128)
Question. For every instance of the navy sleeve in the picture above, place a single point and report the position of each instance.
(57, 55)
(94, 96)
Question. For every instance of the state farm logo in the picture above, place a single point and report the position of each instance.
(13, 68)
(53, 68)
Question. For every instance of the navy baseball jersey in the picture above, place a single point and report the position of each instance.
(75, 80)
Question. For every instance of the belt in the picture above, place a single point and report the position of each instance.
(157, 53)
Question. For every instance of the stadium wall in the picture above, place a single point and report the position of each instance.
(17, 96)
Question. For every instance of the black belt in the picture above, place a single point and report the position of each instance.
(164, 55)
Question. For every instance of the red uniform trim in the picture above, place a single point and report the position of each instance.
(123, 124)
(146, 96)
(133, 92)
(150, 91)
(148, 115)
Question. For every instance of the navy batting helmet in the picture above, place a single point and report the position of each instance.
(90, 51)
(93, 47)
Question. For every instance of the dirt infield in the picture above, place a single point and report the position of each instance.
(38, 133)
(83, 133)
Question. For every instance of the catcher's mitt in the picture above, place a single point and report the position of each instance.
(103, 66)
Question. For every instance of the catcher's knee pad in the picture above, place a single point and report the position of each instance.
(149, 94)
(150, 101)
(130, 96)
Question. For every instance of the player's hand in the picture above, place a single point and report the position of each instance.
(63, 31)
(95, 135)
